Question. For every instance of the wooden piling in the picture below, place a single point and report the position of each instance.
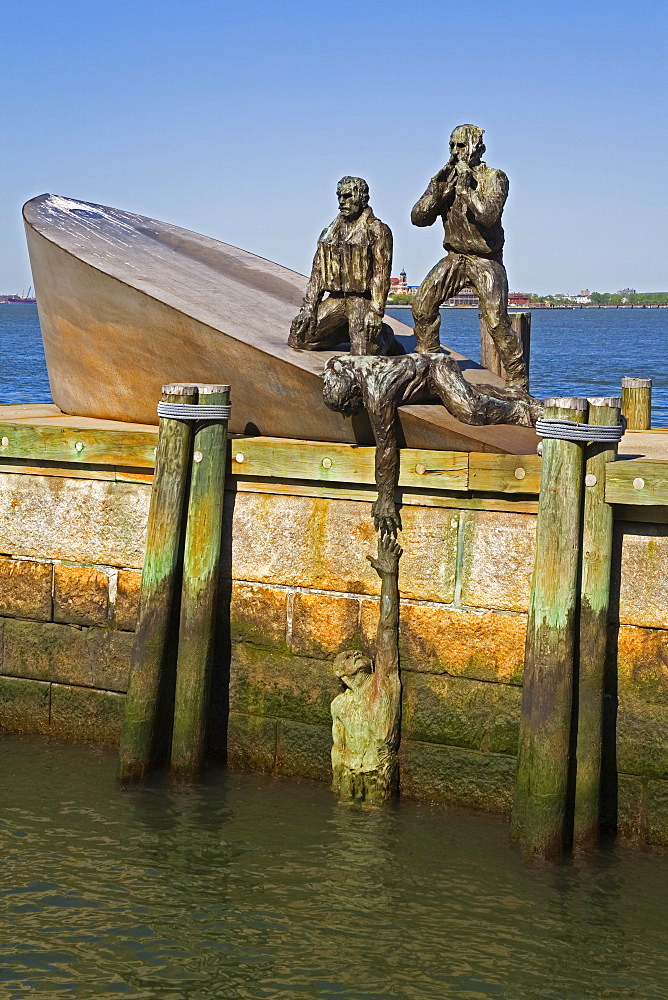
(164, 535)
(489, 356)
(541, 791)
(637, 403)
(200, 580)
(597, 529)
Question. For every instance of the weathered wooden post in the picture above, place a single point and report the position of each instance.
(637, 403)
(541, 791)
(489, 356)
(165, 526)
(594, 600)
(200, 580)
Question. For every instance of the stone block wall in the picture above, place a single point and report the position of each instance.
(297, 589)
(70, 572)
(66, 635)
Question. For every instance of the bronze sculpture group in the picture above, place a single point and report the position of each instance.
(352, 266)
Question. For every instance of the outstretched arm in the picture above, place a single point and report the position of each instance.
(387, 635)
(384, 510)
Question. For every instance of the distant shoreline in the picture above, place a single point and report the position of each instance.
(530, 308)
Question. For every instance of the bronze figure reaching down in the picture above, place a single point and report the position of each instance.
(380, 385)
(366, 716)
(469, 197)
(352, 264)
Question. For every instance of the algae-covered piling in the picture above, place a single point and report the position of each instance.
(541, 794)
(200, 579)
(164, 533)
(597, 530)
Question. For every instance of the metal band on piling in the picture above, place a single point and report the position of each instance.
(567, 430)
(572, 430)
(183, 411)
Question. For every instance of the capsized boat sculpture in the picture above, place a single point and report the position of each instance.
(128, 304)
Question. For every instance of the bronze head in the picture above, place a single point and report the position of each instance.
(353, 195)
(341, 390)
(351, 667)
(466, 144)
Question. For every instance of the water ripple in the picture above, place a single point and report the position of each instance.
(248, 886)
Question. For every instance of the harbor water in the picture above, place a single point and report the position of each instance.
(574, 352)
(23, 375)
(579, 352)
(246, 886)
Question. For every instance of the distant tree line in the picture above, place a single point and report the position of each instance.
(553, 300)
(639, 298)
(597, 298)
(608, 298)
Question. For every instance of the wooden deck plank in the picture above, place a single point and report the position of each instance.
(72, 470)
(40, 439)
(504, 473)
(640, 483)
(646, 445)
(43, 441)
(330, 462)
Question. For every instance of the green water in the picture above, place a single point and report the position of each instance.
(253, 887)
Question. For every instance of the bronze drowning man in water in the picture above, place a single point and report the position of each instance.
(380, 385)
(366, 716)
(352, 264)
(469, 197)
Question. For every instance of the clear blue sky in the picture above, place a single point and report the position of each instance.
(237, 119)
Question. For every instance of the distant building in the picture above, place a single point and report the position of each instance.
(398, 285)
(467, 297)
(626, 291)
(585, 292)
(519, 299)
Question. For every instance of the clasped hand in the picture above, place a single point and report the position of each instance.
(386, 518)
(389, 554)
(304, 323)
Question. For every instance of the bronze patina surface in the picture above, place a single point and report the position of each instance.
(469, 197)
(128, 304)
(380, 385)
(366, 716)
(352, 265)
